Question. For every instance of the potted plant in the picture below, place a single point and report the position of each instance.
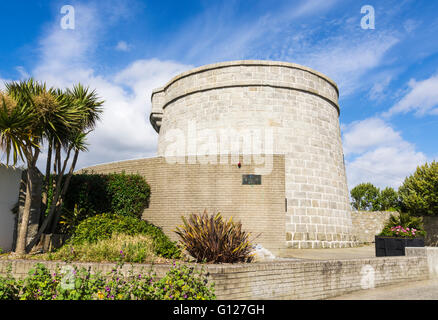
(400, 232)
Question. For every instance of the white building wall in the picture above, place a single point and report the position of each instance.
(9, 189)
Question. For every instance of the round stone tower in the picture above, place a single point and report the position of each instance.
(295, 106)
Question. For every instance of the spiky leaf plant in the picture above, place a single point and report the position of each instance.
(210, 238)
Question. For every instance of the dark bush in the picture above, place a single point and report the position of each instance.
(103, 226)
(119, 193)
(89, 192)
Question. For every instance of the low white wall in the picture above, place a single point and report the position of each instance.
(9, 188)
(432, 257)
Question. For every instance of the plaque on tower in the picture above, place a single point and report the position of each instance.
(251, 179)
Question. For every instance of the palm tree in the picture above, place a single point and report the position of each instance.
(31, 114)
(72, 141)
(21, 132)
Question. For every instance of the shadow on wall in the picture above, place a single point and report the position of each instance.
(9, 188)
(431, 228)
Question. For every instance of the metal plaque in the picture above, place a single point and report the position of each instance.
(251, 179)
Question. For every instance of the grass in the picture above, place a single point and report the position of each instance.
(120, 247)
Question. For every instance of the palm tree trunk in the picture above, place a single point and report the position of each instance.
(22, 233)
(47, 179)
(56, 195)
(64, 190)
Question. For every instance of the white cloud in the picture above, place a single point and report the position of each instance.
(123, 46)
(381, 83)
(422, 98)
(376, 153)
(2, 83)
(215, 36)
(23, 73)
(307, 7)
(360, 136)
(347, 61)
(410, 25)
(124, 131)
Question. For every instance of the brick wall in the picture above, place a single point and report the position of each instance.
(181, 189)
(367, 224)
(280, 280)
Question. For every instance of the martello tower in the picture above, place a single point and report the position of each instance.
(298, 107)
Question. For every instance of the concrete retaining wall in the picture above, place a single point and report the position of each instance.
(431, 254)
(283, 279)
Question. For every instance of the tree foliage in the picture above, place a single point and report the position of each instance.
(419, 192)
(31, 114)
(365, 196)
(388, 200)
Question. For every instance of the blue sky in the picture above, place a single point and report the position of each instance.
(387, 76)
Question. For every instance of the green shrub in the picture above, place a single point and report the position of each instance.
(184, 283)
(404, 225)
(103, 226)
(39, 285)
(180, 282)
(129, 194)
(9, 287)
(120, 247)
(82, 286)
(419, 192)
(211, 239)
(119, 193)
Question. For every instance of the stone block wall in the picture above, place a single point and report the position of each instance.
(181, 189)
(367, 224)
